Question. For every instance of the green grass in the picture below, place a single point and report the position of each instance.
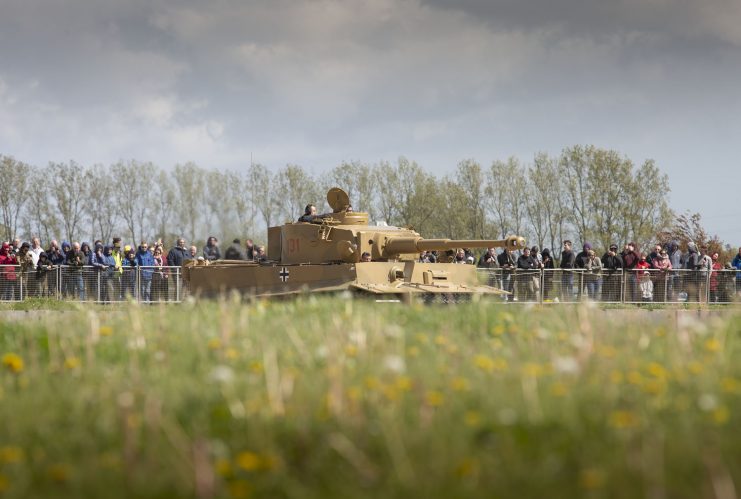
(339, 398)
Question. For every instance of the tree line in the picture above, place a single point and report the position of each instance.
(585, 194)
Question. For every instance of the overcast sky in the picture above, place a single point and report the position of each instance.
(317, 82)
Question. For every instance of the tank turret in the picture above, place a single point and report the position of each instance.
(343, 235)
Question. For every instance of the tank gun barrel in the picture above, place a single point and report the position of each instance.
(399, 245)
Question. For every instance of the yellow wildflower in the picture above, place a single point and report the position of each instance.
(695, 367)
(623, 419)
(460, 384)
(654, 386)
(413, 351)
(11, 454)
(372, 383)
(214, 344)
(58, 472)
(13, 362)
(730, 385)
(558, 389)
(391, 392)
(498, 330)
(606, 351)
(239, 489)
(422, 338)
(532, 369)
(616, 377)
(232, 353)
(591, 478)
(441, 340)
(72, 363)
(434, 398)
(248, 461)
(467, 467)
(353, 393)
(472, 418)
(256, 367)
(403, 383)
(223, 467)
(657, 370)
(351, 350)
(105, 330)
(721, 415)
(4, 483)
(712, 345)
(635, 378)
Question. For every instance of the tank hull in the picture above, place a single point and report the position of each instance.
(376, 278)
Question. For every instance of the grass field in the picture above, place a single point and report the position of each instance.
(340, 398)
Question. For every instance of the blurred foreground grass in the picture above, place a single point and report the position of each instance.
(339, 398)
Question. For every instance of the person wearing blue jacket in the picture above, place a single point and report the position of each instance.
(145, 261)
(737, 265)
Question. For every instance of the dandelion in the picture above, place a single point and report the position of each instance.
(214, 344)
(58, 472)
(390, 392)
(441, 340)
(372, 383)
(72, 363)
(730, 385)
(11, 454)
(712, 345)
(467, 467)
(498, 330)
(721, 415)
(351, 350)
(105, 330)
(591, 478)
(635, 378)
(403, 383)
(13, 362)
(232, 353)
(616, 377)
(606, 351)
(223, 468)
(434, 398)
(623, 420)
(248, 461)
(413, 351)
(695, 367)
(460, 384)
(256, 367)
(354, 393)
(472, 418)
(657, 370)
(532, 370)
(239, 489)
(558, 389)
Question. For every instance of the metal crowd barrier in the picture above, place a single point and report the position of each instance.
(616, 286)
(91, 284)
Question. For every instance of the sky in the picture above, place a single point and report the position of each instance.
(315, 83)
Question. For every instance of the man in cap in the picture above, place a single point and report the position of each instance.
(612, 264)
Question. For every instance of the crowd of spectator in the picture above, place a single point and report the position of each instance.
(103, 272)
(664, 274)
(121, 270)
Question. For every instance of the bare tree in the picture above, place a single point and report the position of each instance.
(69, 185)
(14, 189)
(189, 191)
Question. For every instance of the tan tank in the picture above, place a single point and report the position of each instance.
(325, 255)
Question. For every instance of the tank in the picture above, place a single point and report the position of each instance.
(324, 255)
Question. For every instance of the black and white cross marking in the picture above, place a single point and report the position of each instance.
(283, 274)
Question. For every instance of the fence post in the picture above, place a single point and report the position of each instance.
(20, 275)
(177, 284)
(97, 274)
(542, 283)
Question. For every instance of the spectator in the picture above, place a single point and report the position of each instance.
(55, 254)
(460, 256)
(674, 283)
(488, 260)
(432, 255)
(691, 276)
(507, 263)
(736, 264)
(117, 276)
(727, 283)
(580, 264)
(654, 255)
(98, 261)
(527, 276)
(547, 273)
(27, 276)
(43, 268)
(76, 262)
(8, 274)
(36, 250)
(630, 260)
(535, 253)
(193, 252)
(663, 265)
(593, 275)
(612, 265)
(714, 278)
(365, 257)
(249, 247)
(567, 272)
(145, 262)
(159, 276)
(85, 248)
(211, 251)
(423, 258)
(177, 255)
(128, 278)
(234, 252)
(16, 246)
(642, 263)
(646, 286)
(706, 266)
